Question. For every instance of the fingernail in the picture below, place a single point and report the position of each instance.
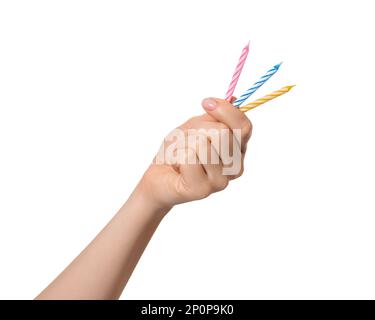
(209, 104)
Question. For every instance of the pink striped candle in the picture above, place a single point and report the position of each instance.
(237, 73)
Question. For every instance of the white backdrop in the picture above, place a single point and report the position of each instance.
(89, 88)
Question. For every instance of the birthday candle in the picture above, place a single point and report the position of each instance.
(266, 98)
(237, 72)
(257, 85)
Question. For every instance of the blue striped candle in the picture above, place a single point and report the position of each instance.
(257, 85)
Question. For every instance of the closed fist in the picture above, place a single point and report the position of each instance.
(199, 157)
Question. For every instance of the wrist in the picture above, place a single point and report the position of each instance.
(145, 200)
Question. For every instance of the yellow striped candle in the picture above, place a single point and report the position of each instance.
(266, 98)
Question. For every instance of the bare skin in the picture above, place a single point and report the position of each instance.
(104, 267)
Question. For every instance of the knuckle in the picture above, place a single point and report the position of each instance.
(247, 127)
(220, 183)
(239, 174)
(205, 190)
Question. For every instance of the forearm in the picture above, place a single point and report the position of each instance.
(102, 270)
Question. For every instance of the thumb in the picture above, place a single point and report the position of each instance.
(223, 111)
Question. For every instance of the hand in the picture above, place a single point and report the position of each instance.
(184, 173)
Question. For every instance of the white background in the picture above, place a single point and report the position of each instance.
(89, 88)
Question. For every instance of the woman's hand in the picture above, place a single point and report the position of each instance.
(199, 157)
